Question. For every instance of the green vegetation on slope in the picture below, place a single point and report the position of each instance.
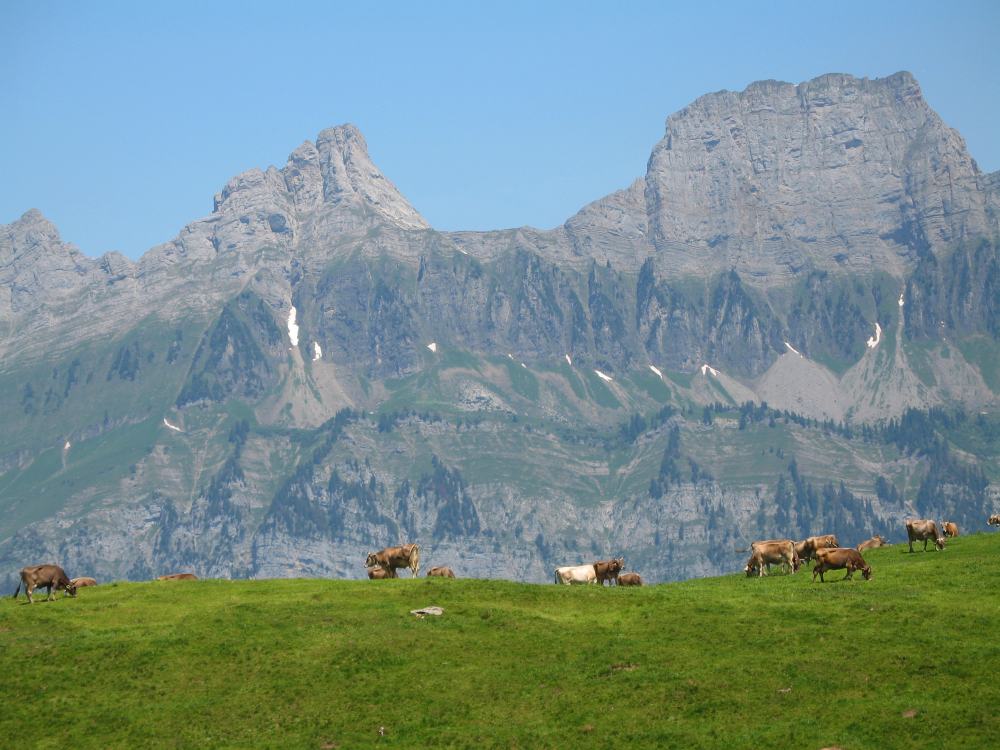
(724, 662)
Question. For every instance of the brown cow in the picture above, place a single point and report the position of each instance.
(876, 541)
(950, 529)
(630, 579)
(993, 520)
(378, 574)
(178, 577)
(806, 549)
(837, 558)
(81, 582)
(49, 576)
(926, 531)
(772, 551)
(391, 558)
(608, 570)
(441, 571)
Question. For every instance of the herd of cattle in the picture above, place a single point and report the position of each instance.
(829, 555)
(825, 550)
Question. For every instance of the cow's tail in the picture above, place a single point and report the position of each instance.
(18, 589)
(556, 575)
(415, 561)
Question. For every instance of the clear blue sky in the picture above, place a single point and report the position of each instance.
(121, 120)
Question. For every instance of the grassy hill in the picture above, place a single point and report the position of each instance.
(723, 662)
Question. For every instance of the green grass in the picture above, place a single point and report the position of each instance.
(984, 353)
(722, 662)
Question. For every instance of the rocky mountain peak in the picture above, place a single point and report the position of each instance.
(349, 174)
(838, 171)
(334, 171)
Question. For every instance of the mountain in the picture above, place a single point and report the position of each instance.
(789, 324)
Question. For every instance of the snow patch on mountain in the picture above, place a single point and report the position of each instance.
(873, 340)
(293, 329)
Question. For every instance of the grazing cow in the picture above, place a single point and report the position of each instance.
(178, 577)
(391, 558)
(608, 570)
(49, 576)
(378, 574)
(629, 579)
(806, 549)
(993, 520)
(926, 531)
(950, 529)
(771, 551)
(876, 541)
(81, 582)
(571, 574)
(837, 558)
(441, 571)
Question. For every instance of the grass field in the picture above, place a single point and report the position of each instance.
(908, 659)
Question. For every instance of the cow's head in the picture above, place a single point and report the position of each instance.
(617, 564)
(71, 589)
(796, 563)
(371, 561)
(867, 572)
(939, 542)
(750, 568)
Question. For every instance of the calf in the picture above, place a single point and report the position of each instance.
(81, 582)
(993, 520)
(926, 531)
(950, 529)
(629, 579)
(876, 541)
(378, 574)
(837, 558)
(49, 576)
(441, 571)
(178, 577)
(608, 570)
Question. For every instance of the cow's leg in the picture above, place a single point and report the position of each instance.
(850, 572)
(925, 545)
(48, 596)
(911, 545)
(29, 589)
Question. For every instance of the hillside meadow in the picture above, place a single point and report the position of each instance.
(906, 660)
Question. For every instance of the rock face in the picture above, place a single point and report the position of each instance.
(311, 371)
(835, 173)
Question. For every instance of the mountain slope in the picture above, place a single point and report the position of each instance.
(267, 393)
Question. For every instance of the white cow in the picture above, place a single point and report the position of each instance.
(571, 574)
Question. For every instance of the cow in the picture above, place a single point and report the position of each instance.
(876, 541)
(178, 577)
(924, 530)
(950, 529)
(441, 571)
(391, 558)
(837, 558)
(771, 551)
(806, 549)
(993, 520)
(81, 582)
(608, 570)
(52, 577)
(630, 579)
(571, 574)
(378, 574)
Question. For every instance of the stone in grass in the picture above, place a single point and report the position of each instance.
(427, 611)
